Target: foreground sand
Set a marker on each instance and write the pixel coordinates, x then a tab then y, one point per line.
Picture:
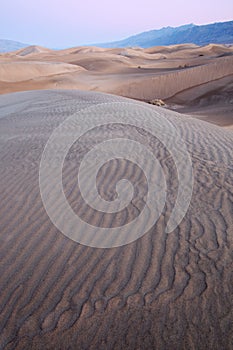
191	79
163	291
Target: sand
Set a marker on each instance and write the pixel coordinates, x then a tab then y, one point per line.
191	79
163	291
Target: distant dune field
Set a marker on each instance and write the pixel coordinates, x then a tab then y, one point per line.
190	78
164	291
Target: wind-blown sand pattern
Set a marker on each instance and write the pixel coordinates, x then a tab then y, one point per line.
173	73
163	291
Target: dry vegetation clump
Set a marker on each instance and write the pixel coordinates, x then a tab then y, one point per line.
157	102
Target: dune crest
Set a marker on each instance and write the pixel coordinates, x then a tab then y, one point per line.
22	71
31	50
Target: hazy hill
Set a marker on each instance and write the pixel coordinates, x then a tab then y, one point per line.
10	45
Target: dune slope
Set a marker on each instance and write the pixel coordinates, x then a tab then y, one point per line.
163	291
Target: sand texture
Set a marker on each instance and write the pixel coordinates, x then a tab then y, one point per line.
163	291
191	79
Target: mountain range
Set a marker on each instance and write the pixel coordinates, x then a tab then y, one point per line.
216	33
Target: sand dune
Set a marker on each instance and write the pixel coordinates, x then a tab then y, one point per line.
21	71
166	85
142	74
30	50
163	291
212	101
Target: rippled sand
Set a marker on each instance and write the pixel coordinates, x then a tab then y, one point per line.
163	291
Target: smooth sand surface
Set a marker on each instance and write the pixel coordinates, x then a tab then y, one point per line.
163	291
191	79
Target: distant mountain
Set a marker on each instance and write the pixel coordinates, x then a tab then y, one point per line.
10	45
217	33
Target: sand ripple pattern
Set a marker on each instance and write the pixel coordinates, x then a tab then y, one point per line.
108	114
164	290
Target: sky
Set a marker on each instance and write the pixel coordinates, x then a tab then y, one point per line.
67	23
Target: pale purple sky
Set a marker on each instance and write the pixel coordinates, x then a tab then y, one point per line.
66	23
